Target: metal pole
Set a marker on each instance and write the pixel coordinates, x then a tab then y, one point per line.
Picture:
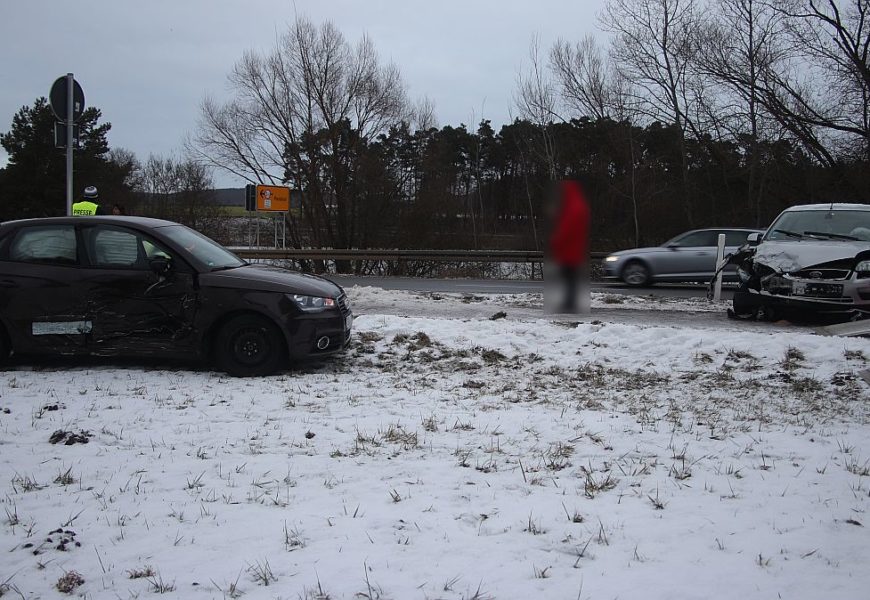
720	255
69	143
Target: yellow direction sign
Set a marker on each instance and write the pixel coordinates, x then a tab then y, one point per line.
273	198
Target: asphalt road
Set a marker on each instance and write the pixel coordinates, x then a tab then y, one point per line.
516	286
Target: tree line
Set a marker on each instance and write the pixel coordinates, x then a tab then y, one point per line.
695	113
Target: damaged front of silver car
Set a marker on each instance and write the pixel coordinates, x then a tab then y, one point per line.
813	263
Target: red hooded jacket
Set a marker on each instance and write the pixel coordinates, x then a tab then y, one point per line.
569	245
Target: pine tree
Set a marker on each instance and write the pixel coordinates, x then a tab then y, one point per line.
34	181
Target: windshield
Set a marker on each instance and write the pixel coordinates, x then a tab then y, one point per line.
837	225
203	249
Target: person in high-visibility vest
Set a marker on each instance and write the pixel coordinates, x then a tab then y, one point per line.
89	206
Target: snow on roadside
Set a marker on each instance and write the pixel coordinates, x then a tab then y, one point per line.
370	294
451	458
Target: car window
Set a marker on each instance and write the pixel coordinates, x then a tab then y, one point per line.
111	247
118	248
154	250
736	238
208	252
695	238
52	244
833	225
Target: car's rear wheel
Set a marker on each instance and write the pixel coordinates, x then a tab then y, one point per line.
249	345
636	274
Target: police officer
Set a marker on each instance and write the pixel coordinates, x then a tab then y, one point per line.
89	206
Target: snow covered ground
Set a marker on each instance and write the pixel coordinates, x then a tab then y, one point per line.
448	455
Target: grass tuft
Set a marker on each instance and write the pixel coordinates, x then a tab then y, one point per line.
68	582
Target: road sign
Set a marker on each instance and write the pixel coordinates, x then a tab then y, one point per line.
273	198
60	135
59	99
250	197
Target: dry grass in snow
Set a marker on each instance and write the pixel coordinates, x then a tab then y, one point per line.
449	459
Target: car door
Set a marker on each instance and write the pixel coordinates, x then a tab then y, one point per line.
691	255
42	296
136	310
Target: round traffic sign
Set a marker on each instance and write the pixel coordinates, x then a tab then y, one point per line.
58	98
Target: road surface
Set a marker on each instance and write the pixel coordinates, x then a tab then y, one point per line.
515	286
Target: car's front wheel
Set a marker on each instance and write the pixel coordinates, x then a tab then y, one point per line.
248	346
5	346
636	274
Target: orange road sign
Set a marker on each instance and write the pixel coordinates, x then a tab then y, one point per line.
273	198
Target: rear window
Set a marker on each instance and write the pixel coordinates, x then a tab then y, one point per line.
54	244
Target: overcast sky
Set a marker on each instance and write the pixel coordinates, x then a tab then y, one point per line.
148	63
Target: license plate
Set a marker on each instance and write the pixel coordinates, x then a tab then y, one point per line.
348	321
817	289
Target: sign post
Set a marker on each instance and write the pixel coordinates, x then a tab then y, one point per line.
67	102
271	199
69	143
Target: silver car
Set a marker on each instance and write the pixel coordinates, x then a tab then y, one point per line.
690	256
814	259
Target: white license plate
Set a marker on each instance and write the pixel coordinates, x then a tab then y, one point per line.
348	322
799	289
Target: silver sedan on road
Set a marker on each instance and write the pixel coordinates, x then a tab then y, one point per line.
690	256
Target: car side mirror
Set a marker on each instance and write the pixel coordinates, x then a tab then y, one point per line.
161	265
753	239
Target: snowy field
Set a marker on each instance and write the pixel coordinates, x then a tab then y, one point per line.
451	458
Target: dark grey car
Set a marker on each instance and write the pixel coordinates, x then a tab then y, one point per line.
690	256
131	286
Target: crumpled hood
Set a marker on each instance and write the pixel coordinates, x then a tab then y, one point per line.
788	256
267	278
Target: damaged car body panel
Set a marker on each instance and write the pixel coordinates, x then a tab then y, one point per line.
138	287
813	261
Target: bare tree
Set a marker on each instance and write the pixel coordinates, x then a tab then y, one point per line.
584	77
179	190
740	41
536	100
591	86
653	47
832	39
299	114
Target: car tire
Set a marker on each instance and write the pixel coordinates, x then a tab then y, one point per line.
635	274
5	346
249	346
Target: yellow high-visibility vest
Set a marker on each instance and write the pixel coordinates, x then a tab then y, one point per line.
84	208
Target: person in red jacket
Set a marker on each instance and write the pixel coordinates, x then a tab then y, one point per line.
569	246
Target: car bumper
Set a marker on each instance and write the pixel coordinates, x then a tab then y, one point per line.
810	296
320	335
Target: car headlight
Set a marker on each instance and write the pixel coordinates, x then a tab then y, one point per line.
863	269
312	303
743	275
611	259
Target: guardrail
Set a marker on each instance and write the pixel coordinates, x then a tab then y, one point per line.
507	256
